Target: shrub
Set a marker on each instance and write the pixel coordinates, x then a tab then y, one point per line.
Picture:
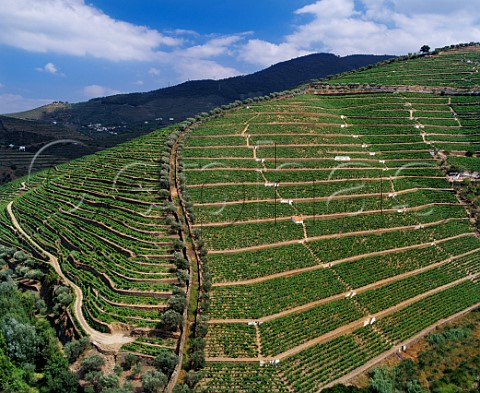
181	389
75	348
20	256
182	276
92	363
180	263
166	362
197	360
177	303
129	361
21	339
192	378
198	344
178	245
154	381
171	320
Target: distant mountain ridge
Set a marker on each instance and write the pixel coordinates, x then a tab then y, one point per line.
158	107
105	122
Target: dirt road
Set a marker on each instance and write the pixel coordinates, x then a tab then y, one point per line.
104	341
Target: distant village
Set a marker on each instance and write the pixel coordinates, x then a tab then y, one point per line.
99	127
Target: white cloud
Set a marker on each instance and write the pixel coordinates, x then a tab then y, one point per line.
203	69
196	62
49	68
443	7
329	9
177	32
265	53
378	27
93	91
214	47
12	103
75	28
154	71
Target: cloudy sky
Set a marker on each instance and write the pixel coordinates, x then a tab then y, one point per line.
74	50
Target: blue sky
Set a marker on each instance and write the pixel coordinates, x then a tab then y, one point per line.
74	50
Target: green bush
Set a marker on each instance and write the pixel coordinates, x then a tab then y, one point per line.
154	381
75	348
93	363
166	362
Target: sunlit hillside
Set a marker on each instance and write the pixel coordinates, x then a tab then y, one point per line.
335	237
280	244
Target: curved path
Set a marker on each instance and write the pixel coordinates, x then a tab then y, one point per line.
104	341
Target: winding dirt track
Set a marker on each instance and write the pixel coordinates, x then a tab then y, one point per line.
106	342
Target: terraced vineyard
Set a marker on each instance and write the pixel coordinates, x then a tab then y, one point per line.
101	222
457	67
334	235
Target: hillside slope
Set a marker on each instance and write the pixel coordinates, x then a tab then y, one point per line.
190	98
334	236
16	161
101	223
108	121
326	234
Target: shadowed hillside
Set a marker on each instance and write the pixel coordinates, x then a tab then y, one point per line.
190	98
108	121
20	140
